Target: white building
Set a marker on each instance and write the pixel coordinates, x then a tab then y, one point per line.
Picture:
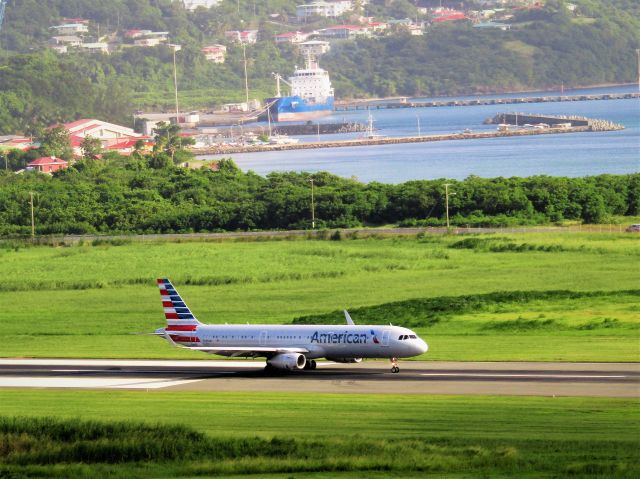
242	36
291	37
67	40
323	9
215	53
193	4
96	47
314	48
71	29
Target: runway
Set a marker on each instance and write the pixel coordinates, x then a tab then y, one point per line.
374	377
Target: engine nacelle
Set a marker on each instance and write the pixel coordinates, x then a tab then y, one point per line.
288	361
345	360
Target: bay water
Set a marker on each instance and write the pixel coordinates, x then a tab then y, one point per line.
571	154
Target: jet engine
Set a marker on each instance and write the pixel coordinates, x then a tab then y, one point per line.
345	360
288	361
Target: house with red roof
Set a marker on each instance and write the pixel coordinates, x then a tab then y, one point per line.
242	36
15	142
440	15
47	164
215	53
109	134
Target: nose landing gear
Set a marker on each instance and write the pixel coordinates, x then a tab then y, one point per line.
394	365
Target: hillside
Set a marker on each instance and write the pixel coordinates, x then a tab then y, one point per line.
543	47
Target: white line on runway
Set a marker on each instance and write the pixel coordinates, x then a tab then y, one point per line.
132	362
91	383
536	376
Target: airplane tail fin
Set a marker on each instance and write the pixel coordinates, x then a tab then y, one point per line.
179	316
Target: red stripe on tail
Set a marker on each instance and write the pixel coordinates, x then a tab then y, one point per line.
185	327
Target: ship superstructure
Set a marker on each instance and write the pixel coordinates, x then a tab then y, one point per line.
311	94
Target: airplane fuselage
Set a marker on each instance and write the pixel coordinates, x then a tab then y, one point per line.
321	341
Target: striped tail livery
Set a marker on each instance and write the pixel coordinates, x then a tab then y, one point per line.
182	325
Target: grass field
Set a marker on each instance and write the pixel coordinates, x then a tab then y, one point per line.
86	300
310	435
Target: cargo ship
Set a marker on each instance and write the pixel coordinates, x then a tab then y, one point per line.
311	95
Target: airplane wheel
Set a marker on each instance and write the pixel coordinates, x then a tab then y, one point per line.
313	363
395	369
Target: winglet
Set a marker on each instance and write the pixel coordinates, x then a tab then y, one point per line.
348	318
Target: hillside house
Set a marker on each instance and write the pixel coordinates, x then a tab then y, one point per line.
323	9
98	47
440	15
291	37
71	29
66	40
193	4
242	36
47	164
344	32
215	53
314	48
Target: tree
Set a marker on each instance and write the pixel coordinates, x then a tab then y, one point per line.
91	147
55	142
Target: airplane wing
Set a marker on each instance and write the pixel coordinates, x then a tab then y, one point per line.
347	317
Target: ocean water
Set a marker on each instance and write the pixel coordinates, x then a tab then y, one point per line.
576	154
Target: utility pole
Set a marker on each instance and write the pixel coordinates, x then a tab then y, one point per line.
246	79
175	82
313	207
446	196
33	223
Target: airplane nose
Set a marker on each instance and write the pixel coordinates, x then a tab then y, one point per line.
422	346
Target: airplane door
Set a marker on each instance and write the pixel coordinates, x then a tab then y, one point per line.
263	338
385	338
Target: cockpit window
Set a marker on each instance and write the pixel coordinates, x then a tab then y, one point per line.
413	336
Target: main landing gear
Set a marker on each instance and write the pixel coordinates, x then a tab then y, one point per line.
311	364
394	365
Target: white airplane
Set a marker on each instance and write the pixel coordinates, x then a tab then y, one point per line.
289	347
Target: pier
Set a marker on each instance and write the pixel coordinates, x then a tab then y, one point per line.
467	135
405	103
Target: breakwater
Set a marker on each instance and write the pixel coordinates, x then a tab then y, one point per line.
468	135
557	121
405	103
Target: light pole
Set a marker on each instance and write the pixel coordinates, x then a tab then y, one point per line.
418	118
33	222
313	207
446	200
246	79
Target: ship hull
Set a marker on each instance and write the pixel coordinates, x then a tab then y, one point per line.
294	108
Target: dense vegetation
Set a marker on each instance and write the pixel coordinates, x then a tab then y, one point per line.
152	196
259	434
544	48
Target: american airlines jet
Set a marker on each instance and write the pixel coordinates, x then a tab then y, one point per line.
288	347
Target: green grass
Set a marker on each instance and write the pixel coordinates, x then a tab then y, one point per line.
311	435
578	292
